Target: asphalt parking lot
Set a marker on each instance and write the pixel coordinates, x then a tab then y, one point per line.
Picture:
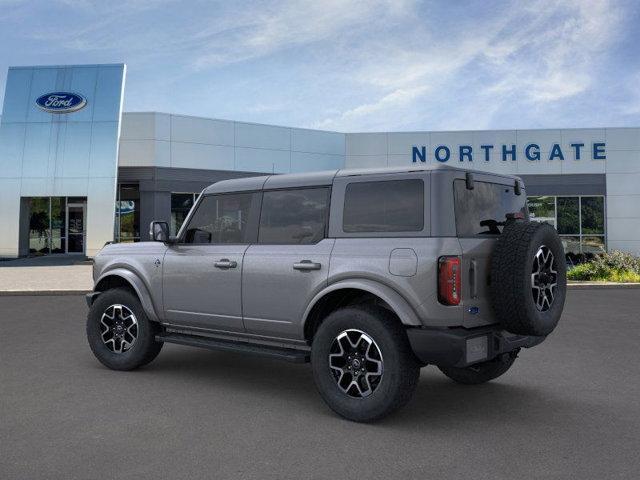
568	409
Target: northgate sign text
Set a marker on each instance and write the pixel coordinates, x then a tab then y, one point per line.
577	151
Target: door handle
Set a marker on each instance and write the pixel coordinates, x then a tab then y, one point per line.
307	265
225	263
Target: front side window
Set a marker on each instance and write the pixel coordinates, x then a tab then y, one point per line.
483	210
297	216
220	219
384	206
181	203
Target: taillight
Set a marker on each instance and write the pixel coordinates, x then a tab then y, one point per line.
449	284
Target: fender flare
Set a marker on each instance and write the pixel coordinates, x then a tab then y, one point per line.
398	304
138	286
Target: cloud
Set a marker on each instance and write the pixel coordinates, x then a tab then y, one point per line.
346	65
534	55
285	25
551	57
630	105
397	98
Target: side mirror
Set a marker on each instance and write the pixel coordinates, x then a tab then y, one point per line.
159	231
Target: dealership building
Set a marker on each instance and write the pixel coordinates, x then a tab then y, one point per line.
76	171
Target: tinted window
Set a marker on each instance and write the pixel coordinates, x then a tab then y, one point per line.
220	219
388	206
481	210
294	216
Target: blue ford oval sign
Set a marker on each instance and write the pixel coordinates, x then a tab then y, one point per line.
61	102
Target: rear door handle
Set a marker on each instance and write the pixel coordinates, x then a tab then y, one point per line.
225	263
307	265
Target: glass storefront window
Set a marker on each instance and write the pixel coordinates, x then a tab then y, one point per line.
127	227
568	215
593	244
58	225
592	214
570	244
39	228
48	225
181	203
542	209
580	220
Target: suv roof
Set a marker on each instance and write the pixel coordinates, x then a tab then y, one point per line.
289	180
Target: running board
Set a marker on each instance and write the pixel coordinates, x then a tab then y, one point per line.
279	353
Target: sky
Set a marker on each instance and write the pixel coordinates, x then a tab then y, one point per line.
351	66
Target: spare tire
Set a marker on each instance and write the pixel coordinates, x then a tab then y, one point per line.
528	278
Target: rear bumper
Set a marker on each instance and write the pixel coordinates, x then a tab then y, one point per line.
461	347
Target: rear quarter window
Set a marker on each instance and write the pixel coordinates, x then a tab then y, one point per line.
481	211
384	206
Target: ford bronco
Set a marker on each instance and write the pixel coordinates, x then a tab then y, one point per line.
367	274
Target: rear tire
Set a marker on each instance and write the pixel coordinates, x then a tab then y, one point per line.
481	372
371	340
119	333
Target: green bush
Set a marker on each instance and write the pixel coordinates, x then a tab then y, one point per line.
614	266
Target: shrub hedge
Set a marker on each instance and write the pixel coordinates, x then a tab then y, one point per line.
614	266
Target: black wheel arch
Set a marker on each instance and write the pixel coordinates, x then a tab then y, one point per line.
337	299
126	279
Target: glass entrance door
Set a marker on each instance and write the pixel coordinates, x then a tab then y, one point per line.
76	220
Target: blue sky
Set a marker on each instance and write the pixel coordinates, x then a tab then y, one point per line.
351	65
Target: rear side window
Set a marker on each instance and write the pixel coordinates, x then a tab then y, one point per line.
220	219
481	211
384	206
297	216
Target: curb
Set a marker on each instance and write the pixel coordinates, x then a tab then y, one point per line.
601	286
22	293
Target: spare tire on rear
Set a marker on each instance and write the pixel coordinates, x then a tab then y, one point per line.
528	278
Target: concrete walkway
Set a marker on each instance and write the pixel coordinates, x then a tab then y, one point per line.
45	276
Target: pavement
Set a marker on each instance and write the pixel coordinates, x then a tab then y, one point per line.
58	275
568	409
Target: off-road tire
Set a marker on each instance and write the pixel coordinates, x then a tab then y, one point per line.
400	367
481	372
512	261
145	348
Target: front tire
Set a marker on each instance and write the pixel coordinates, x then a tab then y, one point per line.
362	363
119	333
481	372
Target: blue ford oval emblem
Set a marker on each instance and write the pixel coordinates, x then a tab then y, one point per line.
61	102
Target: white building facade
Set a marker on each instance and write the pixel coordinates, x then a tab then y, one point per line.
586	182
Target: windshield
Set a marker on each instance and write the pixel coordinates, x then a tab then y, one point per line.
483	210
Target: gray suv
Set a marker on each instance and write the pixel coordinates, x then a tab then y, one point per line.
367	274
